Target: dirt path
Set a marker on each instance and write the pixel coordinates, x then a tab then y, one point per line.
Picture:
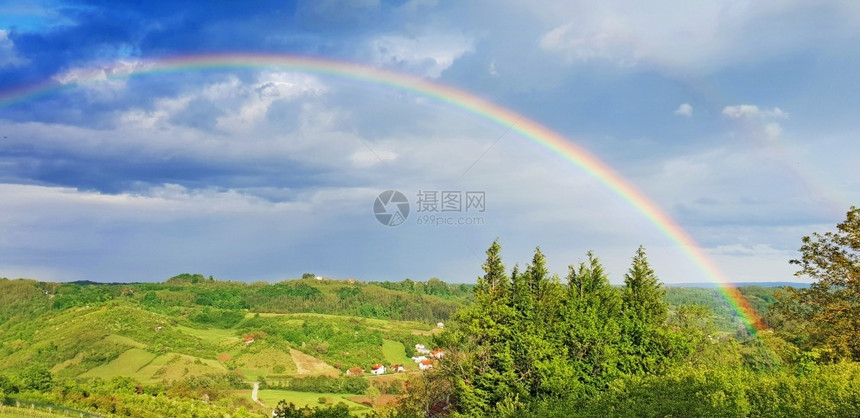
254	394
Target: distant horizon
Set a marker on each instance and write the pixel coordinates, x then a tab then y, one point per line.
780	283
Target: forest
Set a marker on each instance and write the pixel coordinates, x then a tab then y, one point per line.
521	341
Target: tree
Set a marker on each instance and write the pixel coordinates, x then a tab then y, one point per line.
37	377
290	410
495	281
478	362
646	345
373	393
425	392
643	296
545	290
827	314
591	285
590	331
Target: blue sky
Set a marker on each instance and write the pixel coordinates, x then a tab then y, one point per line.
738	118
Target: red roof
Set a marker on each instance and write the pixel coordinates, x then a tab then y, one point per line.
426	362
375	366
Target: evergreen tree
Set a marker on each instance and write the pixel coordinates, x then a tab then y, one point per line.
590	329
645	344
544	289
643	296
478	360
521	297
494	284
591	285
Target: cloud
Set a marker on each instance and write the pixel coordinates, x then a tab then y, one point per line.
688	36
426	55
364	158
492	69
8	54
754	250
413	6
607	40
684	110
53	227
753	112
763	120
773	130
262	174
102	81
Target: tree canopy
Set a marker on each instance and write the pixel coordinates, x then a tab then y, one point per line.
826	316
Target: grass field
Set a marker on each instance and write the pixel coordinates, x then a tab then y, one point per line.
262	362
217	336
176	366
119	339
311	366
41	410
127	364
9	412
379	324
271	398
395	353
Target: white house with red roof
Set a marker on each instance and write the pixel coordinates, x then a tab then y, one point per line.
377	369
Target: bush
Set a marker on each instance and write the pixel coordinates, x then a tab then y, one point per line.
833	391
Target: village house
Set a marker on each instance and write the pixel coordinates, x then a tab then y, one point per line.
419	359
249	340
377	369
421	349
397	368
440	325
437	354
355	371
426	364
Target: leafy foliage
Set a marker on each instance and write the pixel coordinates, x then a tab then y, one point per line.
833	391
826	316
290	410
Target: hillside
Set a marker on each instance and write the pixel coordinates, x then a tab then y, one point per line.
177	335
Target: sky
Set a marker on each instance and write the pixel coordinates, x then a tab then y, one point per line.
738	119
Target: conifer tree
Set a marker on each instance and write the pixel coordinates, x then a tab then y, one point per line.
643	296
521	297
591	285
645	344
545	291
493	284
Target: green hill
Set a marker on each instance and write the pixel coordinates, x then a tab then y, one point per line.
187	338
191	326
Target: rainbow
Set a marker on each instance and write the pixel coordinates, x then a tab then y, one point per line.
454	97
